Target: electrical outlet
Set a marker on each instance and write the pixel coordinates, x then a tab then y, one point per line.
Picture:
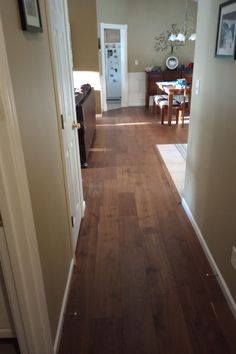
233	258
136	62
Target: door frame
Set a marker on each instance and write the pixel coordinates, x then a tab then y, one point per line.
19	248
124	63
57	98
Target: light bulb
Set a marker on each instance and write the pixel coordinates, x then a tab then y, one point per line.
172	37
192	37
181	37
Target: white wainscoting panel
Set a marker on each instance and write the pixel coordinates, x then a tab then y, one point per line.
136	89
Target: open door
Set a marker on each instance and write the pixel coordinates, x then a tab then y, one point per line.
63	77
114	67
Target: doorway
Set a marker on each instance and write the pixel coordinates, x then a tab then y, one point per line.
114	78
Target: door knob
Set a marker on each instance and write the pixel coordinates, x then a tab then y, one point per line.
76	125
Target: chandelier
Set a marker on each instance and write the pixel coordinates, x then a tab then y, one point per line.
186	31
176	36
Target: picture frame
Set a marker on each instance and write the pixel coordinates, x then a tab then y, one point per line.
226	31
30	15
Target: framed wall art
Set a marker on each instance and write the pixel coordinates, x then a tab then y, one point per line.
226	30
30	15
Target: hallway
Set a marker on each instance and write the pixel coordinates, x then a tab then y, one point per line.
140	285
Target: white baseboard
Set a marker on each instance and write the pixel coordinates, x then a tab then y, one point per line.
210	258
63	308
6	333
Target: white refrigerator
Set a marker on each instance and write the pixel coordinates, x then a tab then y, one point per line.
113	71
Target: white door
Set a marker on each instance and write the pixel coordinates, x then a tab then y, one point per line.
62	63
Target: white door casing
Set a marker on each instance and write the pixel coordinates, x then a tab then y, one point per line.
124	64
19	254
59	36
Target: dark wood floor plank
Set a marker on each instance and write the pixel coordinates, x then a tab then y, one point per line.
205	333
130	235
106	336
226	323
138	324
107	302
126	178
139	285
76	334
160	277
127	204
171	327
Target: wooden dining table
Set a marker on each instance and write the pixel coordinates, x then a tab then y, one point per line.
172	89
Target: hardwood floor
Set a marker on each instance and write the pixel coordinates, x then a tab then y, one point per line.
140	285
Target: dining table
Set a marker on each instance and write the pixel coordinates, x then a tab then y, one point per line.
172	88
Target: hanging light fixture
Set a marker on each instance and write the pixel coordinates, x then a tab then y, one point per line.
184	32
181	37
192	37
172	37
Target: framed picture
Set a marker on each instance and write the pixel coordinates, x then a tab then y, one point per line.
226	31
30	15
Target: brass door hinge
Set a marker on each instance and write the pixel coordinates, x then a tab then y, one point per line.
62	122
72	221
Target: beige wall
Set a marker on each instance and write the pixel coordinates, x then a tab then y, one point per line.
211	171
145	20
30	67
112	11
83	22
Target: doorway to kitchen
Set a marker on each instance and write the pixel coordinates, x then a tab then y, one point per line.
114	76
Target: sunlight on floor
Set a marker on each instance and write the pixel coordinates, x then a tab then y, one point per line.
99	149
124	124
175	163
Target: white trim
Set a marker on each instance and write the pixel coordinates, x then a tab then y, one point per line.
136	95
210	258
63	308
124	64
99	115
6	333
24	279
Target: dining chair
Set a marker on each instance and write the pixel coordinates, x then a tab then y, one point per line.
184	105
161	102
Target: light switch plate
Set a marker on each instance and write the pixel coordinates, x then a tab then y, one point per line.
197	87
233	258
